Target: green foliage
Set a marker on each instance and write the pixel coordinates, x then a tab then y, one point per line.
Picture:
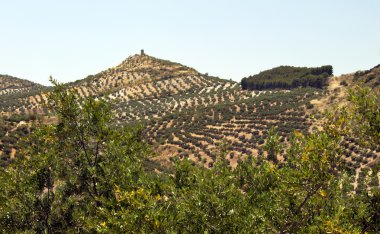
365	114
69	170
286	77
361	118
272	145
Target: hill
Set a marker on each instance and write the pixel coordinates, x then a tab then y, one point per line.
14	93
10	84
12	88
287	77
187	114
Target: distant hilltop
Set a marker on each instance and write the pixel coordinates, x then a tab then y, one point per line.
288	77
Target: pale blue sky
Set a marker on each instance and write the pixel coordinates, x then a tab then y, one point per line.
230	39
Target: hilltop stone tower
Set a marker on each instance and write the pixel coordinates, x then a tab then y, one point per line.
142	53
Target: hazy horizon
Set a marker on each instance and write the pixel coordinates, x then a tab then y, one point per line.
71	40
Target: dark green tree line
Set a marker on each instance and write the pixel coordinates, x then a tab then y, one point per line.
287	77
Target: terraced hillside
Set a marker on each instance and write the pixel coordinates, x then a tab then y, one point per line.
186	113
10	85
140	88
239	120
15	93
140	77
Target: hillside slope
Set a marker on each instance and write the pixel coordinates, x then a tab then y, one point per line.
10	84
370	78
186	113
